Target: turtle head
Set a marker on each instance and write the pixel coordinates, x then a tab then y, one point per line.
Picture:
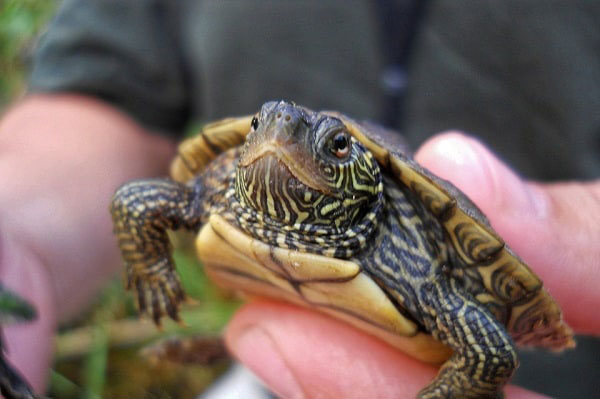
303	166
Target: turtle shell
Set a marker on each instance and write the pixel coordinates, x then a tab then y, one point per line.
530	314
338	287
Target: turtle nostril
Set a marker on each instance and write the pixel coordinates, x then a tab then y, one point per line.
288	116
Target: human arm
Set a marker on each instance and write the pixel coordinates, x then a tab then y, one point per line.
303	354
61	158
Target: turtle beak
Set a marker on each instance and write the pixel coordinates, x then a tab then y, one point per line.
285	136
295	158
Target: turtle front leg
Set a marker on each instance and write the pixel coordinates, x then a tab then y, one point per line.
484	355
142	212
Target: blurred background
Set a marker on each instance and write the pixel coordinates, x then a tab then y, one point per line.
20	22
99	354
107	352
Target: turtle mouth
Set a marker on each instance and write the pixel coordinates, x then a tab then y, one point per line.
297	162
269	186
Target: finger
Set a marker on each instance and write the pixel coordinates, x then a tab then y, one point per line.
29	345
550	226
303	354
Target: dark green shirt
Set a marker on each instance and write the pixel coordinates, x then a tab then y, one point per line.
523	75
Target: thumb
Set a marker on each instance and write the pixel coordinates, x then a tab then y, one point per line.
470	166
499	192
553	227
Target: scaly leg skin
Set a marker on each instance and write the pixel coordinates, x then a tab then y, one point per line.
484	356
142	212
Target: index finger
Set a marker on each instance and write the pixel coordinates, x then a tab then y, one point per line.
300	353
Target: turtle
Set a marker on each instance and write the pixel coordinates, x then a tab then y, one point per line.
316	208
13	309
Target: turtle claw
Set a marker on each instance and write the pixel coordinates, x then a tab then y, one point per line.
158	295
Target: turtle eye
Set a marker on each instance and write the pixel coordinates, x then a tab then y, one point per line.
254	123
340	145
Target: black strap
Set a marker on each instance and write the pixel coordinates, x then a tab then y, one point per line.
399	22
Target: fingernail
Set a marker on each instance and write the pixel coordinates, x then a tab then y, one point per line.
454	156
258	351
508	190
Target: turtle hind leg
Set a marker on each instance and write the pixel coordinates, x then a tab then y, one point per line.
142	212
484	354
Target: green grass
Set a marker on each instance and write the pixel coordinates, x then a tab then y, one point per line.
99	357
20	23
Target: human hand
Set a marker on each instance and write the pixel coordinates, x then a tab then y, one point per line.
554	227
62	157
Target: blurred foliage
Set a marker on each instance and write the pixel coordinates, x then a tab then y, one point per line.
100	355
20	24
97	356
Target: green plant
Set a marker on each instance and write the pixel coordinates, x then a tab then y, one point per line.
20	24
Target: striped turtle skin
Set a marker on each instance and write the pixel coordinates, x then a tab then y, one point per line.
320	210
